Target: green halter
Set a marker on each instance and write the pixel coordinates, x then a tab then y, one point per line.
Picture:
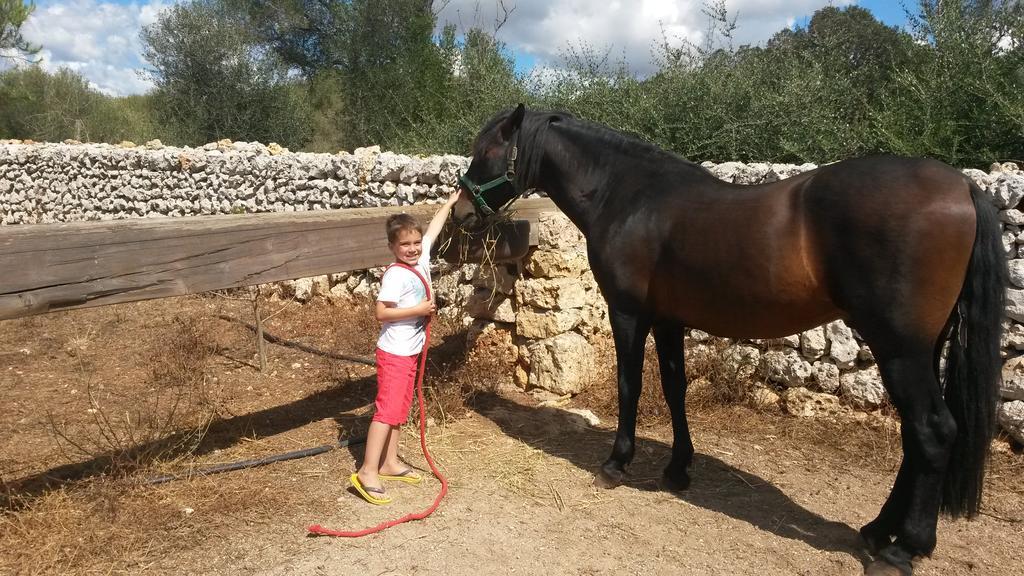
477	189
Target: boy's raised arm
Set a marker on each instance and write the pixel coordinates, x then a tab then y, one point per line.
437	222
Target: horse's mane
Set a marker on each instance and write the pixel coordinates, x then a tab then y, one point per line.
534	129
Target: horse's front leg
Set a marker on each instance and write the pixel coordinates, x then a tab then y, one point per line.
668	337
629	331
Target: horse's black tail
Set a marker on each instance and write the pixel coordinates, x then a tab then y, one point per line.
973	367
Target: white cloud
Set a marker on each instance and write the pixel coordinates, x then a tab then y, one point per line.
627	29
99	40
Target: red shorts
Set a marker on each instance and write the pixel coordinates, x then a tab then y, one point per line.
396	377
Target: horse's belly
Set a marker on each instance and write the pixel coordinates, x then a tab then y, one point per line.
750	313
740	322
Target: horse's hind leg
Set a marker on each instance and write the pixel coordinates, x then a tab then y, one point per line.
910	514
629	330
668	338
879	533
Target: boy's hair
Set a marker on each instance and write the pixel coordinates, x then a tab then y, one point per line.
398	223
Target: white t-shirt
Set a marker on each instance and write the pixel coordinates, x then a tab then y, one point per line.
405	337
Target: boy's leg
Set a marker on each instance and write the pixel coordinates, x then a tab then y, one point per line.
390	463
396	380
377	442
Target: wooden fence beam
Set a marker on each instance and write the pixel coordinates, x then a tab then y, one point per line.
49	267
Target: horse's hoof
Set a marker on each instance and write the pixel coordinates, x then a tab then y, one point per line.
883	568
873	543
675	482
609	479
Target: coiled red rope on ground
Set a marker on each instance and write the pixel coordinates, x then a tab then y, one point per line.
320	530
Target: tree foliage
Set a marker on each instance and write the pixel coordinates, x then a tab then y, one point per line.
843	85
36	105
962	100
397	83
214	80
13	45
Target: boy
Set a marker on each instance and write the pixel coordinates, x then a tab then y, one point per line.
402	308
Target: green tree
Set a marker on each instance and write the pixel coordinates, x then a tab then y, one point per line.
851	60
13	14
36	105
214	79
393	81
963	101
476	79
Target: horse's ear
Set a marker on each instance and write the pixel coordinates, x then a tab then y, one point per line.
514	122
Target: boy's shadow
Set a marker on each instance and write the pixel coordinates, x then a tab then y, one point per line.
716	485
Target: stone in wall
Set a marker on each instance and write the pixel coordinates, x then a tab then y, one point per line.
786	367
1003	182
740	361
863	388
556	232
1013	336
804	403
304	289
1015	304
1012	387
563	364
1011	419
490	305
551	293
843	348
1016	268
542	324
595	311
826	377
556	264
813	344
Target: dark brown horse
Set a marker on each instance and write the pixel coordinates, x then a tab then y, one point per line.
907	251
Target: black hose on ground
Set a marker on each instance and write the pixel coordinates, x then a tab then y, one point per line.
229	466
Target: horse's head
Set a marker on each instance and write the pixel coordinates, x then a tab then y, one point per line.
489	183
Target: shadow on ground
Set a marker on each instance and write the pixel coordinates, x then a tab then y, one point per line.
222	433
717	486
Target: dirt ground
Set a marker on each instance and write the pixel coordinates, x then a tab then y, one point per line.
99	401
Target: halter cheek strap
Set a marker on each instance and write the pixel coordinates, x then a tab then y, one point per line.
508	177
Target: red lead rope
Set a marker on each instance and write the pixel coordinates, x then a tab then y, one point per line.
320	530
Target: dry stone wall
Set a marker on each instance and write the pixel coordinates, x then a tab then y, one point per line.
42	183
545	314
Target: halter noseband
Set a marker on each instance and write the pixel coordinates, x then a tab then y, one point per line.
508	177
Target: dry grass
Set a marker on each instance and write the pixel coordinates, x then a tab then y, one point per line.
107	525
168	422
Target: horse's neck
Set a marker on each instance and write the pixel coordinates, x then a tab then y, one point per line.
572	176
581	173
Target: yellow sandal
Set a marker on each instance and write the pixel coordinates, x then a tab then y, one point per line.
367	492
409	476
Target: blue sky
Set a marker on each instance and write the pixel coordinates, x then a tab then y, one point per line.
99	38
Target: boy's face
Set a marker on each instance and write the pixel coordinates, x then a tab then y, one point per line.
407	247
